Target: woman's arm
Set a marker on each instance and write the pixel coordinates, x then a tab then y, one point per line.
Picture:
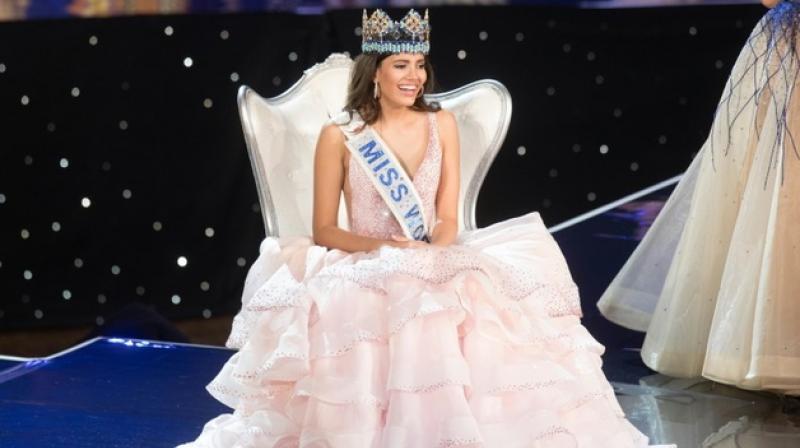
446	229
328	184
770	3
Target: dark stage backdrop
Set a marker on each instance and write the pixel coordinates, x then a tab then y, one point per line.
123	171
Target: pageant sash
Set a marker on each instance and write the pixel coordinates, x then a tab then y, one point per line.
387	175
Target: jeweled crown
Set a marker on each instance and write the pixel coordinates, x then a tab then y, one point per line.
380	34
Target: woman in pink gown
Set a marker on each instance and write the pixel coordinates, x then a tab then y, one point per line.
368	338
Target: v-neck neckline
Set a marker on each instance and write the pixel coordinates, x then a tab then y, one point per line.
413	177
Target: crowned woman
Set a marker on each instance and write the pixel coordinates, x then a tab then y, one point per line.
400	332
716	280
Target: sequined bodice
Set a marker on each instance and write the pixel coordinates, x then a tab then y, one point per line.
369	215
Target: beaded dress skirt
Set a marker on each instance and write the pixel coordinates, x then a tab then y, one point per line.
716	281
475	345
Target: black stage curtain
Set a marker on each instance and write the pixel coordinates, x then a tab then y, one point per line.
122	150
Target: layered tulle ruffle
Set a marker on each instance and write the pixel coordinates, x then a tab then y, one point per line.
478	344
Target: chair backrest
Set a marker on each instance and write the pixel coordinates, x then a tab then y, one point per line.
281	135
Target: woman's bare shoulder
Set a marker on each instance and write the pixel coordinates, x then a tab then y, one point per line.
331	135
331	143
447	123
445	117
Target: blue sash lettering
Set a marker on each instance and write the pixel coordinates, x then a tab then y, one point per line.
413	212
366	150
389	176
398	193
380	166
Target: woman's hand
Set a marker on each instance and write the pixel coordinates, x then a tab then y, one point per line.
444	233
770	3
405	243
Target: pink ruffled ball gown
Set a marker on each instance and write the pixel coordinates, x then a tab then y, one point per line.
475	345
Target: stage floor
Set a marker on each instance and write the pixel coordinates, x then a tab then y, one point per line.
112	392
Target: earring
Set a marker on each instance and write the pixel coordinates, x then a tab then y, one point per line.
375	91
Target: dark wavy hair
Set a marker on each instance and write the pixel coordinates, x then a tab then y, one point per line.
360	92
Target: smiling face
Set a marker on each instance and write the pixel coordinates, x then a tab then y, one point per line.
400	78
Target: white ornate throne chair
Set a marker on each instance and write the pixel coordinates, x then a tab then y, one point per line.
281	134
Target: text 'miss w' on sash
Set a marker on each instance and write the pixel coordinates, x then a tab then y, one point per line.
386	173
